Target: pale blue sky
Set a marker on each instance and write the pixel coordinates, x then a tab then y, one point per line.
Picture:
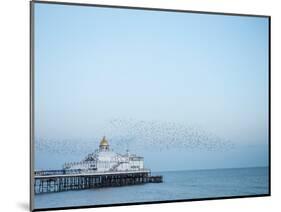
93	65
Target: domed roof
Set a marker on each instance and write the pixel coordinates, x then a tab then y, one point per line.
104	142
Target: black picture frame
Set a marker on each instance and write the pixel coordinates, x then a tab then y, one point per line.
32	70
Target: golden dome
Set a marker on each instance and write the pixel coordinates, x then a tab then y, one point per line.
104	142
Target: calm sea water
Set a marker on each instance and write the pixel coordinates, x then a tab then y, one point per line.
176	185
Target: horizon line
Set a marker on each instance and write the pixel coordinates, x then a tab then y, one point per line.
202	169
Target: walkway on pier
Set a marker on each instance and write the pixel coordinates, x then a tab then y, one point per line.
75	173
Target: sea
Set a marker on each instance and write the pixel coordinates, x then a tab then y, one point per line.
177	185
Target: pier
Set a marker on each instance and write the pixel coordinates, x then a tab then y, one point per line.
65	180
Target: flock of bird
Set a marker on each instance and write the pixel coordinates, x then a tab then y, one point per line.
160	136
141	135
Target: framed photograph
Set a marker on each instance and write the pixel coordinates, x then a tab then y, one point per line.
146	105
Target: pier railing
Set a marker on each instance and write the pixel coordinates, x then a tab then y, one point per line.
80	171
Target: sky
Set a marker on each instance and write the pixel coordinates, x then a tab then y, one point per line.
95	65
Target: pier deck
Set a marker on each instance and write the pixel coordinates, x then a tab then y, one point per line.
61	180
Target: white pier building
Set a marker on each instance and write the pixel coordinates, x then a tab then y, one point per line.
106	160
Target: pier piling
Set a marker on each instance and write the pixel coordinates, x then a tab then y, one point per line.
59	180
